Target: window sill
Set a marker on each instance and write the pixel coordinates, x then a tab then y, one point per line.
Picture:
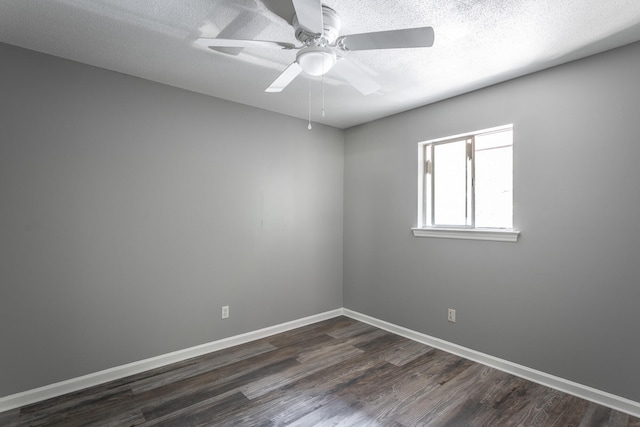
496	235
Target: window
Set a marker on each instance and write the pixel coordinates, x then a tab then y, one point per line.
466	186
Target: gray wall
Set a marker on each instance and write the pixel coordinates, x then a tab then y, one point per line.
131	212
564	299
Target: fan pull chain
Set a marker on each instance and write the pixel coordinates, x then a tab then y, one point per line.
323	73
323	94
309	126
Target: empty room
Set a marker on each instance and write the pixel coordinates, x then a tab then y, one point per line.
304	212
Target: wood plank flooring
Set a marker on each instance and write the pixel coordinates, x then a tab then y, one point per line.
339	372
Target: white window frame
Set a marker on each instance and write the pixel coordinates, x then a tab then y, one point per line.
425	227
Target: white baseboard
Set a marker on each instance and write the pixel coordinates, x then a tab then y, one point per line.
582	391
74	384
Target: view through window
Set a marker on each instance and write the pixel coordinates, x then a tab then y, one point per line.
467	180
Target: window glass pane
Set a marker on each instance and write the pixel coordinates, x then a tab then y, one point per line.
450	183
494	186
494	139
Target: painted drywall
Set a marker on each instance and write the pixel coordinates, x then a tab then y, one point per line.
131	212
563	299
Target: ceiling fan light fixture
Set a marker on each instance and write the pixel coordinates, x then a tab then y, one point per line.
317	60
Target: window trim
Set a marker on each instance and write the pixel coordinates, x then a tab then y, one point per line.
491	234
469	232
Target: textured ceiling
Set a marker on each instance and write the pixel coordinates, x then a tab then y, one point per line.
477	43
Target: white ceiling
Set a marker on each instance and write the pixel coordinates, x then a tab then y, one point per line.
477	43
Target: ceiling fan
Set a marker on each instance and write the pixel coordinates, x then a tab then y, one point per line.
317	27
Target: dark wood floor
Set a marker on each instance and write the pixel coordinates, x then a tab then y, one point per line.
337	372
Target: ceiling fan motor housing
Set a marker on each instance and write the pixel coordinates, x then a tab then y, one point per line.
331	28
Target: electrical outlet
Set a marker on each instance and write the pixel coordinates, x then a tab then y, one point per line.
225	312
451	315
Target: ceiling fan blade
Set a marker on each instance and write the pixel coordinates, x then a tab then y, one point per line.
309	13
286	77
213	42
394	39
353	75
